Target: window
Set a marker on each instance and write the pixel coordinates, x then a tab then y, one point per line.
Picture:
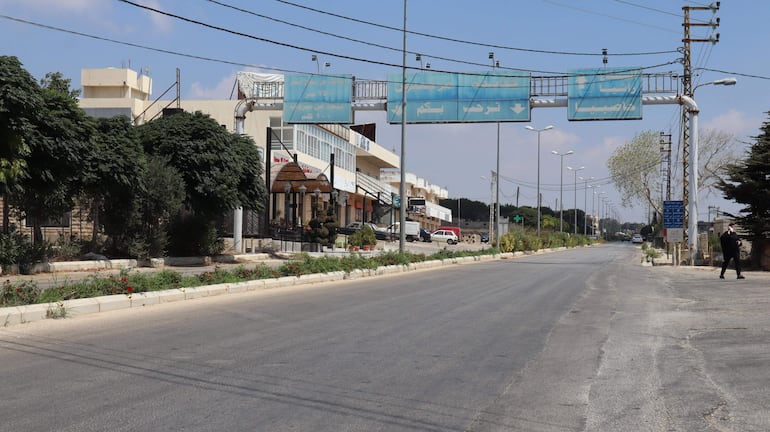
62	221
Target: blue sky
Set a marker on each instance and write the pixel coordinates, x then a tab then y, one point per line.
452	156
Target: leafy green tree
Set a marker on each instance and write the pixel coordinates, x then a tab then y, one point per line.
468	209
20	103
113	171
59	142
747	183
138	226
221	170
57	82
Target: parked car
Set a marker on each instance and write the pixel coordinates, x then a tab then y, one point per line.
484	237
424	235
379	232
441	235
637	239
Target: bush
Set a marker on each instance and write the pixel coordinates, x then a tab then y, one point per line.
12	247
16	248
191	235
363	237
68	249
323	230
20	294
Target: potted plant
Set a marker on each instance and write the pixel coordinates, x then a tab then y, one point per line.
363	238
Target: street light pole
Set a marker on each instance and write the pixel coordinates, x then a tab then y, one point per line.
692	226
496	63
491	203
576	171
561	187
530	128
585	204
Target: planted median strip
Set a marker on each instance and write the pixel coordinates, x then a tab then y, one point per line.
25	301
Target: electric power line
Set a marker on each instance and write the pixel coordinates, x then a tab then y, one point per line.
449	39
332	54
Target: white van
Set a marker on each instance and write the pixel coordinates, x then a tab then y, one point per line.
412	230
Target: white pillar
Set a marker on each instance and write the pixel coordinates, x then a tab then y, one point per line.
692	227
240	116
692	205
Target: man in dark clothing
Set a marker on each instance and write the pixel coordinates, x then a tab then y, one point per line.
731	249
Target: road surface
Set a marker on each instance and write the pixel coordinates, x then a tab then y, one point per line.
579	340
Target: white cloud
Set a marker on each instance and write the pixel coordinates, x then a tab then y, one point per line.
161	23
735	122
221	90
55	5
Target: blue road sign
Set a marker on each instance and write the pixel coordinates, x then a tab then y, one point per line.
605	94
318	99
438	97
673	214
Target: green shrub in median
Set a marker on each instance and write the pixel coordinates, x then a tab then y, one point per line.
127	283
23	293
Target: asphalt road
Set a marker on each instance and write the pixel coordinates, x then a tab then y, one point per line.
584	339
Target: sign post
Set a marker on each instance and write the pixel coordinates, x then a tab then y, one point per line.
673	222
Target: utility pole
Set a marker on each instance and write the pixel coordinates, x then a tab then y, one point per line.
687	90
665	165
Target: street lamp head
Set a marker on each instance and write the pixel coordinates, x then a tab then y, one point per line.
726	81
528	127
723	81
569	152
554	152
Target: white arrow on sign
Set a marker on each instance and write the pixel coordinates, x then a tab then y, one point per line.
518	108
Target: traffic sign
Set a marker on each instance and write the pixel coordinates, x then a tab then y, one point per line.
673	214
605	94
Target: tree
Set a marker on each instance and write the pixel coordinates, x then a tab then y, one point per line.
716	151
221	170
634	170
113	171
20	103
58	143
57	82
635	166
747	183
138	226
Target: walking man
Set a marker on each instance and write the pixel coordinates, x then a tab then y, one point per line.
731	249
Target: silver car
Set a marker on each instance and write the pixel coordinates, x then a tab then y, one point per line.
444	236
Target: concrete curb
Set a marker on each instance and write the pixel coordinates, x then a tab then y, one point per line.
118	264
72	308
